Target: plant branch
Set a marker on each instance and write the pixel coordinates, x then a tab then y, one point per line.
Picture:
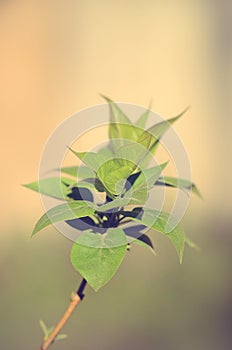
74	301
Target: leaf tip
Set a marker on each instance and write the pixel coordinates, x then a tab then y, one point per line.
35	230
197	192
192	244
163	165
184	111
106	98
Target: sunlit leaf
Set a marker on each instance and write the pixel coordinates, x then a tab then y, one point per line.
112	174
91	159
79	172
92	184
142	121
145	241
143	182
47	331
163	223
183	184
62	212
160	128
69	170
191	244
132	151
118	121
44	328
116	203
97	257
61	336
55	187
116	114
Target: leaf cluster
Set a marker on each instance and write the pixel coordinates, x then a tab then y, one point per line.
120	172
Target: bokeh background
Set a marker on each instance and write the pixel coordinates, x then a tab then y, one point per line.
56	57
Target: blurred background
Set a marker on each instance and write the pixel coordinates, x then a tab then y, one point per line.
56	57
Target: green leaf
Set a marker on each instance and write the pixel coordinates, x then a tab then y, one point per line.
91	184
55	187
91	159
47	331
138	192
116	203
122	133
145	242
44	328
191	244
69	170
120	126
179	183
116	114
61	336
142	121
162	222
80	172
159	129
113	174
62	212
106	151
97	257
132	151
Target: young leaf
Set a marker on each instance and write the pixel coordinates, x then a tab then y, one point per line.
179	183
120	126
62	212
113	171
61	336
106	151
44	328
98	256
160	221
143	182
144	241
92	184
55	187
118	121
191	244
47	331
132	151
91	159
116	203
80	172
142	121
148	177
159	129
116	114
69	170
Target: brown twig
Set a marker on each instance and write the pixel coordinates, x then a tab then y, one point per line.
74	301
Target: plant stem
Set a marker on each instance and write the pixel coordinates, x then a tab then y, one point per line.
74	301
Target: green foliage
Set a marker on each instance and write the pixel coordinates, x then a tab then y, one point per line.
62	212
145	180
47	331
98	256
81	172
52	186
180	183
161	222
120	172
113	175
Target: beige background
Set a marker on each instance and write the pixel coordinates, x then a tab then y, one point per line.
56	57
